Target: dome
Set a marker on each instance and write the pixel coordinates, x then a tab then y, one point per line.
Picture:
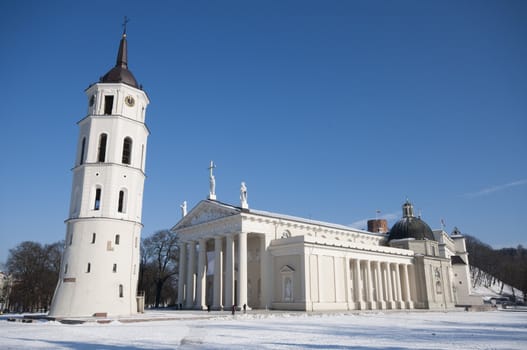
410	226
120	73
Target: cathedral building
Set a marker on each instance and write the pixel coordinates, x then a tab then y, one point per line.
247	258
232	255
100	264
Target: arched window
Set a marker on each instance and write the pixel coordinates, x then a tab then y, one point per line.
83	147
121	202
101	157
127	150
97	204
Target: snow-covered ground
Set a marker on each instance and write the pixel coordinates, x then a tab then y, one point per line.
388	330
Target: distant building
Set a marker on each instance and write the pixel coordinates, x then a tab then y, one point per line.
100	265
234	255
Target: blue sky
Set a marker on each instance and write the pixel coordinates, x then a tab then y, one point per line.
328	110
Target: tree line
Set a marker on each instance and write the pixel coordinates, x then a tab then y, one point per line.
508	265
34	268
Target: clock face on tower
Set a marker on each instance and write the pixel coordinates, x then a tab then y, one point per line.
129	100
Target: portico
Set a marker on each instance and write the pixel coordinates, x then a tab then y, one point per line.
225	265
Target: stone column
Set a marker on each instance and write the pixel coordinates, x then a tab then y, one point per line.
242	270
371	298
408	296
229	271
389	293
348	286
399	299
380	290
265	284
359	303
182	273
218	241
202	275
190	274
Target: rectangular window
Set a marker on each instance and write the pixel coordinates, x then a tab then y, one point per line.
70	238
97	205
121	291
93	238
117	239
114	268
66	269
108	105
88	269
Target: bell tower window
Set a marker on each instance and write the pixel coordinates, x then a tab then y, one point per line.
101	157
120	204
127	150
83	147
108	105
97	204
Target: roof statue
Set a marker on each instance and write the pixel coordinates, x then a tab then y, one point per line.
183	209
212	182
243	196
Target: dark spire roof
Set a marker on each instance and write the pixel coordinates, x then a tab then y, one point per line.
410	226
120	73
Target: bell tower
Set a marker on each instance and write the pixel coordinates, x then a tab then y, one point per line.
100	265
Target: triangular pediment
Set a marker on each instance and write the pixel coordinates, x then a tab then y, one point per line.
206	211
287	269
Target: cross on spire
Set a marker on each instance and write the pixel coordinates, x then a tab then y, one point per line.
125	21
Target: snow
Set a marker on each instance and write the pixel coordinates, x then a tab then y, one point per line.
489	287
280	330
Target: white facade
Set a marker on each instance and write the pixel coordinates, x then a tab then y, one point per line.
100	265
239	256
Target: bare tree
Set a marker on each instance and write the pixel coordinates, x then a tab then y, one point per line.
34	269
159	264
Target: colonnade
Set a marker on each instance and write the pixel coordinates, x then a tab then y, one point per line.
380	285
192	274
